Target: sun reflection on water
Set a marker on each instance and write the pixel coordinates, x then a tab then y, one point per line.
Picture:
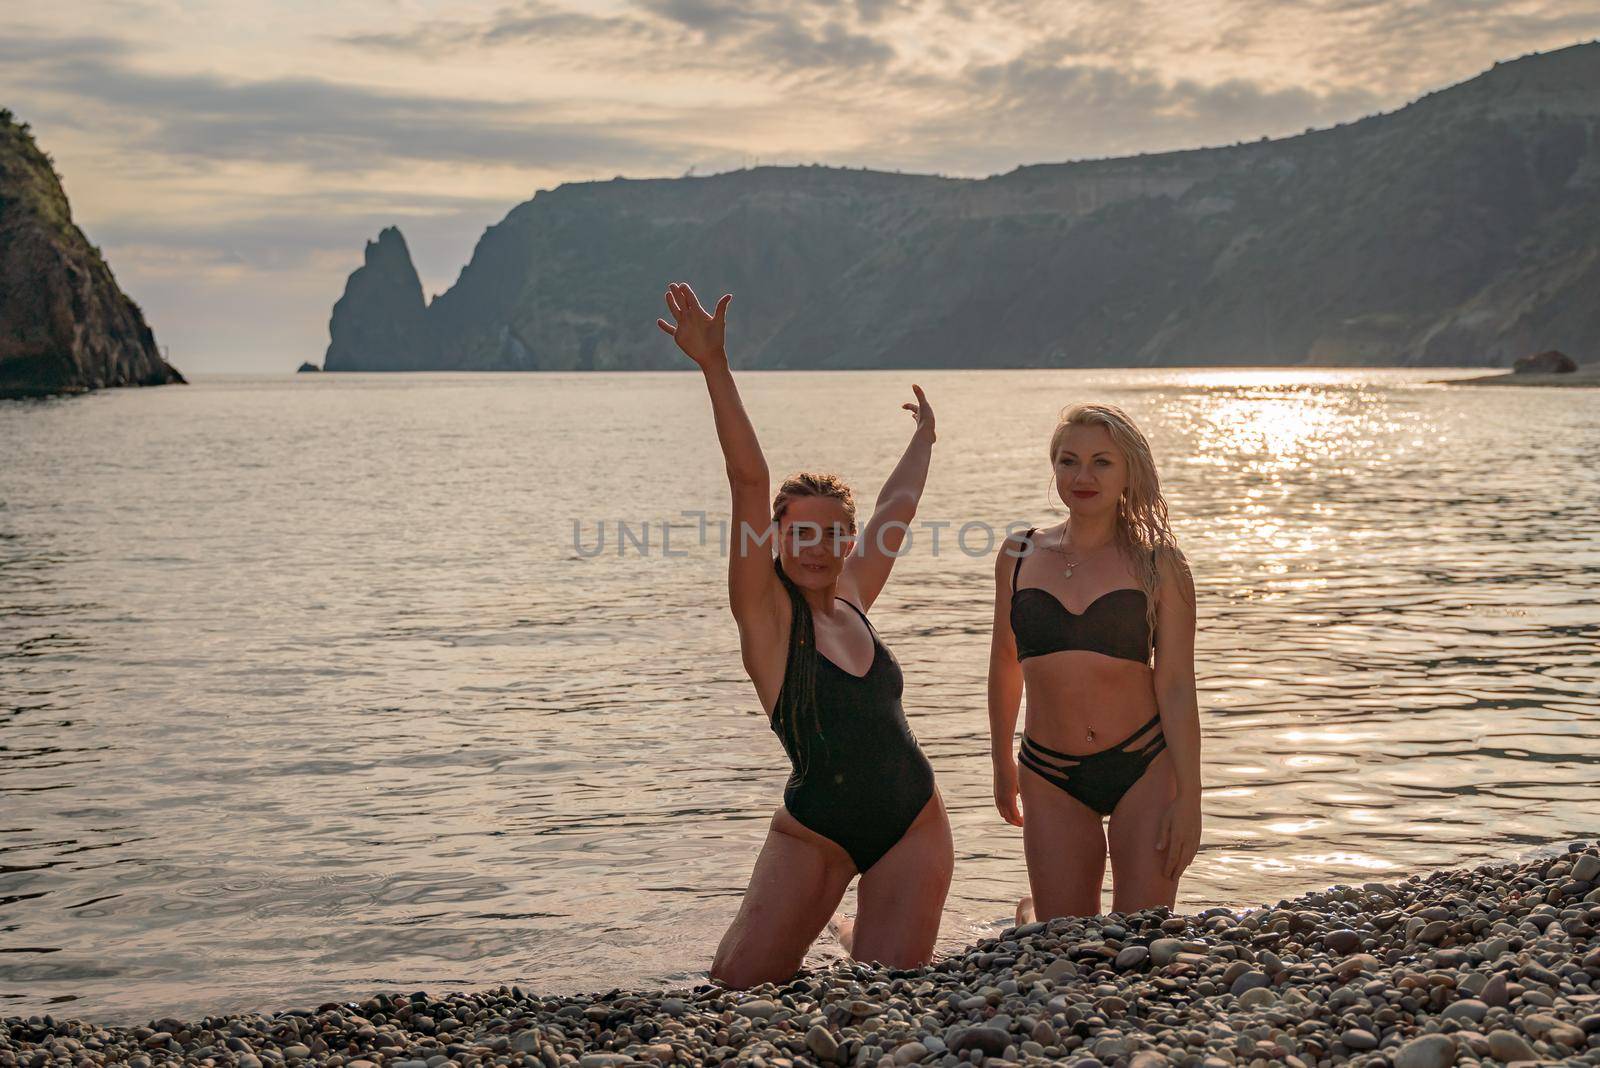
541	765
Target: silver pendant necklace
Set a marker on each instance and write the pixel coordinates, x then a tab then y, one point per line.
1066	572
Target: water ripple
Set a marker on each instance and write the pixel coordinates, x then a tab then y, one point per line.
307	691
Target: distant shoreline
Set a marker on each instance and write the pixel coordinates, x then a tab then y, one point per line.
1587	375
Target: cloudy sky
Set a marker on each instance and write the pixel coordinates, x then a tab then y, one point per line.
231	158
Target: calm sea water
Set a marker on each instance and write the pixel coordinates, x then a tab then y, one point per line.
308	691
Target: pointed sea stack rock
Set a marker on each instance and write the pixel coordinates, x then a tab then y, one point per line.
307	368
378	325
65	326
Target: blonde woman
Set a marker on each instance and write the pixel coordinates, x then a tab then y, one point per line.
861	799
1094	619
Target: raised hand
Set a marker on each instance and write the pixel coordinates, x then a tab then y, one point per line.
923	411
698	334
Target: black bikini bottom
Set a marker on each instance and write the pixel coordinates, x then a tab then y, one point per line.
1097	779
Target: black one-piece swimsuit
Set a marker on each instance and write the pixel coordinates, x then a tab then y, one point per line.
866	778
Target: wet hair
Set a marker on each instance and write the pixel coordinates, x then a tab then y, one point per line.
795	716
1142	523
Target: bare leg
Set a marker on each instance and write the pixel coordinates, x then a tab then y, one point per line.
1025	913
798	880
1066	849
1136	878
901	897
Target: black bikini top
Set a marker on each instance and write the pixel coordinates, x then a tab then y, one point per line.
1113	624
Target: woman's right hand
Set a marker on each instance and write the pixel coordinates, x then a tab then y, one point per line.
1007	792
698	334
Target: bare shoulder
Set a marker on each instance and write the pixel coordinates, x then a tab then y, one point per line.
1172	570
1013	548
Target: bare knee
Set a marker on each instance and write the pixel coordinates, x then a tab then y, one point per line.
738	974
743	961
900	948
728	973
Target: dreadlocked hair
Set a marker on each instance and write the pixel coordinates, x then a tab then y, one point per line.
795	717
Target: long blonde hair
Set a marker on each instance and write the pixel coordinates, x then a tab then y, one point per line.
799	702
1143	533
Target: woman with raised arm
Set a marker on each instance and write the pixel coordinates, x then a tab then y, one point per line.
861	798
1095	617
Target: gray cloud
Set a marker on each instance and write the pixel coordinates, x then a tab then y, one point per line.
23	48
1047	105
1405	47
329	126
712	18
830	45
774	37
532	21
784	36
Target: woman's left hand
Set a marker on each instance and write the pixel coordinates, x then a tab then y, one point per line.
1179	836
923	411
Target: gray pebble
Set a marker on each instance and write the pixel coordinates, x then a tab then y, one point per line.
760	1009
1256	997
991	1040
1466	1009
1509	1046
1358	1039
1426	1051
1131	957
910	1053
1250	980
820	1041
1163	951
1343	940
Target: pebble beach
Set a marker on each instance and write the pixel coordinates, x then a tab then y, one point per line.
1498	964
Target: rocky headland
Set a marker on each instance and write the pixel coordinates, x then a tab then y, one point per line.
1494	965
1460	230
65	326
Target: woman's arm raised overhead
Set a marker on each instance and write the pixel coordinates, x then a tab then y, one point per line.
755	593
867	569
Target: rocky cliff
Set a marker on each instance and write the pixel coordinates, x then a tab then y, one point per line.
65	327
1461	229
380	322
